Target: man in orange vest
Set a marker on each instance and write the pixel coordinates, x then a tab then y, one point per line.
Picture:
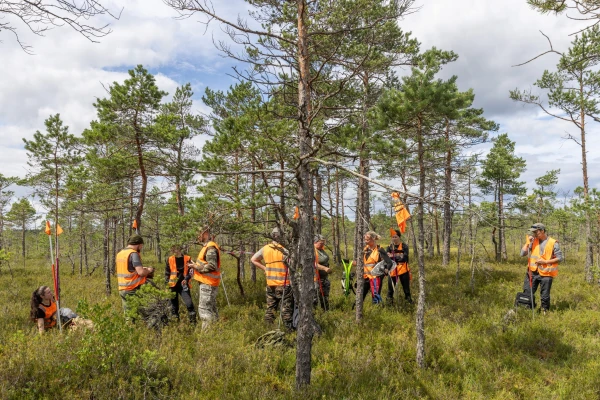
544	257
279	289
207	271
178	276
131	275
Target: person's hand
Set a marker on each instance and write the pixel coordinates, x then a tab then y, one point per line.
354	263
329	270
541	262
385	272
183	282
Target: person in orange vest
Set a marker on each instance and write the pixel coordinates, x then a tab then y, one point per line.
43	308
322	270
279	290
131	274
398	252
373	254
207	271
178	276
544	257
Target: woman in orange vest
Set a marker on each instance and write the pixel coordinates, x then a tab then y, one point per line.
544	256
43	308
178	275
398	251
207	271
372	255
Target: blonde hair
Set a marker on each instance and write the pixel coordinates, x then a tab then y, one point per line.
373	235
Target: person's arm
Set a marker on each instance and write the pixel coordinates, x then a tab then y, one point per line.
136	262
557	256
212	261
167	271
525	248
402	256
256	260
324	268
40	325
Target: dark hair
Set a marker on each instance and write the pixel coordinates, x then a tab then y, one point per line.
36	300
398	232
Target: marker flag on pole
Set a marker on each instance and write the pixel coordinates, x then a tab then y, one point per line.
59	230
48	230
402	214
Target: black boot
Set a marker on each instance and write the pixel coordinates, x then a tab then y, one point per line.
192	317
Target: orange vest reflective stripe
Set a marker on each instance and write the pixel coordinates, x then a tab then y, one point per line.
369	262
49	314
173	267
275	271
547	269
316	278
401	268
125	279
212	278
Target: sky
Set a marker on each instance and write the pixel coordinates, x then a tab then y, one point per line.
68	73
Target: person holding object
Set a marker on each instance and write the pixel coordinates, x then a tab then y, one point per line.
398	252
131	274
207	271
322	270
373	254
279	290
178	275
544	257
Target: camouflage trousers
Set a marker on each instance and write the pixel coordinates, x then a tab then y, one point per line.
322	290
207	304
275	294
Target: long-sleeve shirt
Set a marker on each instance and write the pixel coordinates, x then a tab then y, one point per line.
400	252
212	261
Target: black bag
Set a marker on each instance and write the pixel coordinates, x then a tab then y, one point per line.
524	299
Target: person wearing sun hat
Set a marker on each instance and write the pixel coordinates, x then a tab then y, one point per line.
544	256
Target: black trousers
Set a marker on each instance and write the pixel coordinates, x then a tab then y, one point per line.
187	300
404	280
545	283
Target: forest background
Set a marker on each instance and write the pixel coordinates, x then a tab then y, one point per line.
332	109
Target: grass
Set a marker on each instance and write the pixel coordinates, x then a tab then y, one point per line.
472	352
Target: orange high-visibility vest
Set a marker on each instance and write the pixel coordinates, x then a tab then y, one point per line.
547	269
369	262
212	278
275	271
173	267
317	277
49	314
401	268
127	280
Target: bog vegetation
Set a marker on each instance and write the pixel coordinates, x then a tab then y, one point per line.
320	130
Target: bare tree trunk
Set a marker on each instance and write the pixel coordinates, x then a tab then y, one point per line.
420	319
105	253
501	224
362	226
447	193
254	245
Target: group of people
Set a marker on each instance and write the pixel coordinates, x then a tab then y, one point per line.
543	254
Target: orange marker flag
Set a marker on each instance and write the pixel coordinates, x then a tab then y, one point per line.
392	232
296	213
48	230
58	230
402	214
134	225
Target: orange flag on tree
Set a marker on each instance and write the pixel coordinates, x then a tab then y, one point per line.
402	214
48	230
296	213
134	225
58	230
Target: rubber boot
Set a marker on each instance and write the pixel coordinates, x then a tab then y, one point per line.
192	317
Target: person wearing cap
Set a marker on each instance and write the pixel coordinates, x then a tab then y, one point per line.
178	276
398	252
279	290
544	256
322	270
131	274
373	254
207	271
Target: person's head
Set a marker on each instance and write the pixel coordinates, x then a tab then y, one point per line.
276	234
43	294
135	242
176	250
396	237
370	238
320	242
538	231
204	234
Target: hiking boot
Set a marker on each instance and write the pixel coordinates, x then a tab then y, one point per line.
409	300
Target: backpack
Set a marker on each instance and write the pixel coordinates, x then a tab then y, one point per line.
524	299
